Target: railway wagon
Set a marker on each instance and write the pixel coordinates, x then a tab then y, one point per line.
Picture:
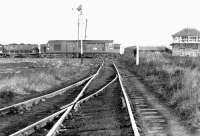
91	48
2	51
21	50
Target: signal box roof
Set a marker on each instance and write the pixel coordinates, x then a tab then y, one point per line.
187	32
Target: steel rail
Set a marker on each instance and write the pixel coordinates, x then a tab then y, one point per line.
30	129
27	104
41	123
130	112
57	125
93	94
96	93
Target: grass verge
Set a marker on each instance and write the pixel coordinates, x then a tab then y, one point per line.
176	80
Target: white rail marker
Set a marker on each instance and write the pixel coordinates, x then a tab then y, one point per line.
137	55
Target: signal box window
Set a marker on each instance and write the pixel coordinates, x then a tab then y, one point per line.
57	47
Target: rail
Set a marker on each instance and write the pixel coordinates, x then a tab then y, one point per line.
26	105
96	93
30	129
133	123
36	100
56	126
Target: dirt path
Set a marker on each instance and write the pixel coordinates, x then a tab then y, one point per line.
156	109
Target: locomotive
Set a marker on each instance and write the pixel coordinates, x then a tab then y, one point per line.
62	48
2	50
90	48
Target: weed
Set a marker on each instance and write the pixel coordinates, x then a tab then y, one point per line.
178	80
6	93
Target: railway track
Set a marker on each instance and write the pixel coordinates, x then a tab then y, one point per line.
153	120
101	108
23	114
154	123
26	105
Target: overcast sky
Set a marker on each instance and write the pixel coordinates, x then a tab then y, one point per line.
130	22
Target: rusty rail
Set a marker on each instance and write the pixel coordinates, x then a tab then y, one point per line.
55	129
35	126
130	112
26	105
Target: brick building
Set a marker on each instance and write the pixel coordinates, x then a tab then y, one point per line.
186	43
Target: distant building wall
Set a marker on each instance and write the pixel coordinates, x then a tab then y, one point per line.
186	50
131	51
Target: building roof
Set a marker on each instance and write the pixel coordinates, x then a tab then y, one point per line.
85	41
187	32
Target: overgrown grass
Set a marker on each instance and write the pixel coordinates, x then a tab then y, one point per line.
53	72
176	79
7	94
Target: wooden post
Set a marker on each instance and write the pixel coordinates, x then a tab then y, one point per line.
137	55
78	37
81	35
81	51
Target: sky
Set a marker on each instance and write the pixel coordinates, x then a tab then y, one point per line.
129	22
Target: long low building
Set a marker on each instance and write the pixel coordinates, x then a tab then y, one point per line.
131	51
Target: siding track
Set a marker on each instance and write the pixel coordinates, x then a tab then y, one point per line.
46	121
102	107
26	105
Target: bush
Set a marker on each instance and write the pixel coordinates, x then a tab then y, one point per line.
6	93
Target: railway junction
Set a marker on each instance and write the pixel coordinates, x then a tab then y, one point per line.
110	101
